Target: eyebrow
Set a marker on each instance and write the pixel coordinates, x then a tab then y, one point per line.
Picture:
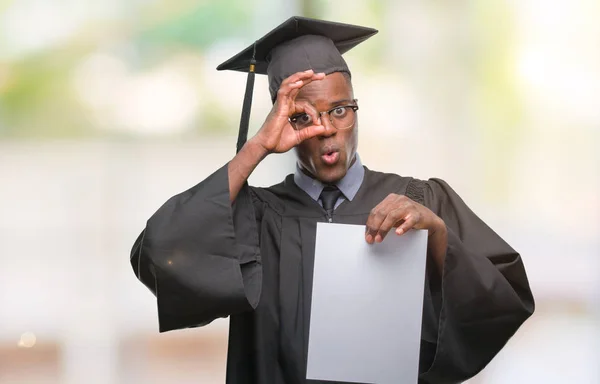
343	101
336	103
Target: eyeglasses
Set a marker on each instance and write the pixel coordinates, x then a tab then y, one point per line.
341	117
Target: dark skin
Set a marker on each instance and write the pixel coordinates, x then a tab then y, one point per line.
334	90
310	93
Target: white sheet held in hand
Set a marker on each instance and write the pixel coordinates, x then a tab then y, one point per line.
367	303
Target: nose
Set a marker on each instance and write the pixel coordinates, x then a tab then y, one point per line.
330	130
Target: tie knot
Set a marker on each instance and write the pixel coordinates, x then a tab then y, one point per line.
329	196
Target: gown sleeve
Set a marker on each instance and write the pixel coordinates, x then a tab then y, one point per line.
484	290
199	255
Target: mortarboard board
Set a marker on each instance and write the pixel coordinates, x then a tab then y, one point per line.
296	45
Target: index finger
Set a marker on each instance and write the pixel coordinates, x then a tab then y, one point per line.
374	221
309	74
305	107
289	90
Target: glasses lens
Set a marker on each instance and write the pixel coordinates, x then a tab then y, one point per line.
343	117
302	121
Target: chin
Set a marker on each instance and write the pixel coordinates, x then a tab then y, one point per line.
332	175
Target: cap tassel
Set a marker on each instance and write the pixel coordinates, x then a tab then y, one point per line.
247	106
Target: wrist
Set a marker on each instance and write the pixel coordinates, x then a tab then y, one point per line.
438	243
258	150
440	226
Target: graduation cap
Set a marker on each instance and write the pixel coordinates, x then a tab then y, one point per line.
296	45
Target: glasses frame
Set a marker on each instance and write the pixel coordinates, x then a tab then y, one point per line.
354	107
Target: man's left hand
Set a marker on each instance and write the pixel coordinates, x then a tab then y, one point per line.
402	213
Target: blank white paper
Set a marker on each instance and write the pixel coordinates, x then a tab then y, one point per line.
367	303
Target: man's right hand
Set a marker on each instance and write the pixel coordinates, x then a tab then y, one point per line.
277	135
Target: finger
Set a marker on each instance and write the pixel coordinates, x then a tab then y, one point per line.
293	93
302	76
297	81
393	218
309	75
309	132
409	222
288	92
309	109
292	89
304	82
374	221
283	94
296	77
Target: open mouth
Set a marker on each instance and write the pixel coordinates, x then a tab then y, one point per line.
330	157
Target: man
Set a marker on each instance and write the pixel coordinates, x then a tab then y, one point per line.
224	248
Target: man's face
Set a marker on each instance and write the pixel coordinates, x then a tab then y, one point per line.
327	157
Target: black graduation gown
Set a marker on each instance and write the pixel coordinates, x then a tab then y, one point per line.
205	258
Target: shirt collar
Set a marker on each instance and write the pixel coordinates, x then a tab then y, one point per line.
348	185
